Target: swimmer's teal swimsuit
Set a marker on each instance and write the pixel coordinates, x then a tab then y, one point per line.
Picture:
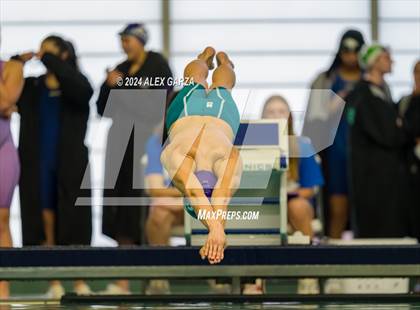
188	207
194	100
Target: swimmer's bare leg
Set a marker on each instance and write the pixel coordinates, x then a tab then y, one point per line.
228	169
224	75
180	165
198	69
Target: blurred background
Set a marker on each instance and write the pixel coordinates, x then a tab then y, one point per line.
277	46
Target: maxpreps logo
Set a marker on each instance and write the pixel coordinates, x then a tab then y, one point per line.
228	215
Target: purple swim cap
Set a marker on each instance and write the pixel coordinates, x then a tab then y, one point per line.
208	181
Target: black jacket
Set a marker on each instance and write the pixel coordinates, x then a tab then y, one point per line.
124	222
154	66
73	223
378	168
410	109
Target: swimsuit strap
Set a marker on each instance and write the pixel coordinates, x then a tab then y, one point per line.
222	103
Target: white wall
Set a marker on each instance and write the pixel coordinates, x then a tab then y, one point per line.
399	28
277	46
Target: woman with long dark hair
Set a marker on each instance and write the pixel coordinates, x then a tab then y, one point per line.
54	110
304	176
304	173
339	79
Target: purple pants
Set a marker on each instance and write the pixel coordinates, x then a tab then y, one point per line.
9	164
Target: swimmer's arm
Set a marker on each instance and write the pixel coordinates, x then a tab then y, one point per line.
207	211
220	200
211	224
227	185
155	187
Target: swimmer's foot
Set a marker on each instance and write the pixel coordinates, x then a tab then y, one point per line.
223	59
208	56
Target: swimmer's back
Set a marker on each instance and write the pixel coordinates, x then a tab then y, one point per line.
193	124
215	139
193	100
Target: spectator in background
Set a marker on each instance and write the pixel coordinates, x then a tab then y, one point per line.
409	110
303	177
340	78
166	207
54	110
122	223
304	173
11	84
377	140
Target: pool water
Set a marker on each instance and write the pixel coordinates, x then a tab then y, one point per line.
221	306
28	295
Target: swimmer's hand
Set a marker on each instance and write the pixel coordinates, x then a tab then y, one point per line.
215	244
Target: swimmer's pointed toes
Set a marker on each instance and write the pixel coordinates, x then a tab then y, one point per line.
208	56
222	58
